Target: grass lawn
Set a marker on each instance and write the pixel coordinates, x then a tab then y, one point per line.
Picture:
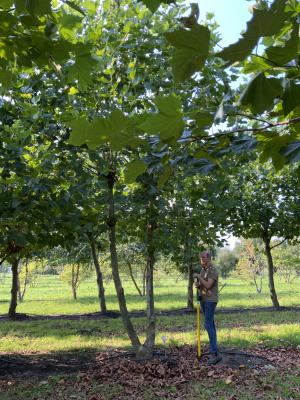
245	330
50	295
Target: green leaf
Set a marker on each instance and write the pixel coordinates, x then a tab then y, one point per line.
6	4
165	176
79	132
242	144
203	166
259	95
203	119
283	54
34	7
263	23
168	122
74	6
291	97
82	71
97	133
152	4
271	145
6	78
292	152
69	20
133	170
192	47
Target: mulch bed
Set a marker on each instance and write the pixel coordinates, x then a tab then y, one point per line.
175	362
169	375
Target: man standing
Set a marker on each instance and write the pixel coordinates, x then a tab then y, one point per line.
207	284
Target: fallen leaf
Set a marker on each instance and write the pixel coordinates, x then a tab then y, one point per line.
228	380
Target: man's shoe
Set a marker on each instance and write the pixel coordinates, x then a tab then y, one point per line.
214	359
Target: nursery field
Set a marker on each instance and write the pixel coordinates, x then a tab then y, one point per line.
58	358
50	295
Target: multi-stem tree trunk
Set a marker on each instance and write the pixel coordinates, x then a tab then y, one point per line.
101	290
133	279
273	294
111	222
190	300
21	292
258	283
14	288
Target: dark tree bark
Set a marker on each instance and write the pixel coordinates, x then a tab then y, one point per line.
133	279
190	300
273	294
111	222
147	352
101	290
14	289
21	292
144	280
75	277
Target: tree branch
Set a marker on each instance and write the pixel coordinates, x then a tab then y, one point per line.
262	128
278	244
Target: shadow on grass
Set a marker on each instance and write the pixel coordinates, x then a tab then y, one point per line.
47	364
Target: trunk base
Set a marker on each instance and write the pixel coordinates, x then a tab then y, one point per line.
143	353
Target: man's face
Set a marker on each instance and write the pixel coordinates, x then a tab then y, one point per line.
204	260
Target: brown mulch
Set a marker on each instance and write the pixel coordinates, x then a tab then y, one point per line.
176	361
167	376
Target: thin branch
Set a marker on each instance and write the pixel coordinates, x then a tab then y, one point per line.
4	257
225	133
252	117
278	244
273	62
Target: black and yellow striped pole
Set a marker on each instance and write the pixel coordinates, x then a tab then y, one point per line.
198	330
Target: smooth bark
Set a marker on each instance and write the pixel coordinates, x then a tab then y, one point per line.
190	300
273	294
133	279
101	290
151	318
111	222
14	288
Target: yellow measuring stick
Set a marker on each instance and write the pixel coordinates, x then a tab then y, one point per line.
198	331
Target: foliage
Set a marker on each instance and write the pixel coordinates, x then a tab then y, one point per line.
287	261
226	261
251	264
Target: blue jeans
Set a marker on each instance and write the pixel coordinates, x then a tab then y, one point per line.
208	309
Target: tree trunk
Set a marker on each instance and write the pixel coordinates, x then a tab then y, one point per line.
148	348
144	280
132	278
14	289
273	294
101	290
74	286
21	293
111	222
190	300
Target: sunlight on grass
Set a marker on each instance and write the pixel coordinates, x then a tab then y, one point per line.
52	296
238	330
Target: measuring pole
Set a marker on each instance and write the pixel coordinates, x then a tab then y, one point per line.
198	330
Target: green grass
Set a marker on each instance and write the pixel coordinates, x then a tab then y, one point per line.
239	330
52	296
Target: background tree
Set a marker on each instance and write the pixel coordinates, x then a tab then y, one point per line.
226	261
251	263
287	261
263	204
